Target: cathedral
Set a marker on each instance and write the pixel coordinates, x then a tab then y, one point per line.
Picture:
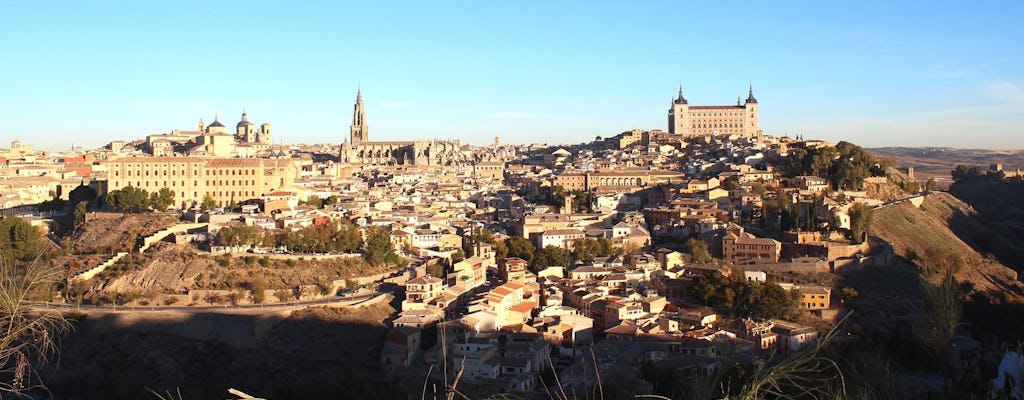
358	149
688	121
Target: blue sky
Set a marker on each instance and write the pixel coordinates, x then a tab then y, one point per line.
874	73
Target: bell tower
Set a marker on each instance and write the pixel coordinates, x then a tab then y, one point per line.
359	131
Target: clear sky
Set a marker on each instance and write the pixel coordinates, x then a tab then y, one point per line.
912	73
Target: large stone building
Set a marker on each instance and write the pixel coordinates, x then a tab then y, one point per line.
688	121
358	149
226	180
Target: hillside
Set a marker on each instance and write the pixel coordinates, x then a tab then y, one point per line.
113	232
927	233
318	353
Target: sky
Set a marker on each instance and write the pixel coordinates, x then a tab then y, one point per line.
907	73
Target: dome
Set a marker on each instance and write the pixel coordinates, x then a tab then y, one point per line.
216	124
244	121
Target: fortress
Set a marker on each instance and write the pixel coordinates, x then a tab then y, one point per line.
688	121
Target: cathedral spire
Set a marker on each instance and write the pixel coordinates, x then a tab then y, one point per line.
750	95
359	131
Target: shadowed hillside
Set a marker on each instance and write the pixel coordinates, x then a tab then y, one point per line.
314	354
935	230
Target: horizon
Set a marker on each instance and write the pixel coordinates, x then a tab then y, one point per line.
909	76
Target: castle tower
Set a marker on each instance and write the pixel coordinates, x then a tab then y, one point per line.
751	125
359	131
678	121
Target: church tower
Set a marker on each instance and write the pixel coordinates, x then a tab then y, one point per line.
678	121
359	130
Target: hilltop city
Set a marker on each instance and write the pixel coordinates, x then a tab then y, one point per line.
650	255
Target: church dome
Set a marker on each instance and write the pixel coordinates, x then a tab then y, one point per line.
216	124
244	121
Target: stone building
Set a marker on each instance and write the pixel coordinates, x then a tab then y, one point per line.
358	149
226	180
689	121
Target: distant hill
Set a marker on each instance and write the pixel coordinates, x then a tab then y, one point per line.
936	162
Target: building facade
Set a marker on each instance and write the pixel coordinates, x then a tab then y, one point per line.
226	180
689	121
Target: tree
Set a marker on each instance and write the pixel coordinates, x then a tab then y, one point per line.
550	256
162	199
82	193
30	334
130	198
930	185
458	256
706	286
500	250
378	249
698	250
583	201
19	240
769	300
520	247
208	203
236	236
258	286
79	215
860	221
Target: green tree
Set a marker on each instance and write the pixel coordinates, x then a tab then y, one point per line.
706	286
208	203
129	198
769	300
550	256
860	221
378	249
19	240
241	235
458	256
520	247
79	215
161	199
583	201
500	250
590	248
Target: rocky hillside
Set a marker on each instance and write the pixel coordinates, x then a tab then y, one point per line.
935	234
110	233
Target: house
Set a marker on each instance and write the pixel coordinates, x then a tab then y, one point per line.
512	269
793	337
421	290
815	297
741	247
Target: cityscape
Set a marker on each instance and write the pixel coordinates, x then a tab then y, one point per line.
514	247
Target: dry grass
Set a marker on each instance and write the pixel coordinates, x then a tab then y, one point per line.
29	335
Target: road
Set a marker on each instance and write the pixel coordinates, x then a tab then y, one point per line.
225	309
